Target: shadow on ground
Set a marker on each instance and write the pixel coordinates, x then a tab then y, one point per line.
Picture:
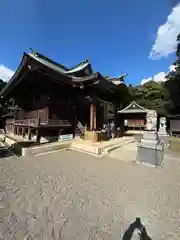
136	225
5	152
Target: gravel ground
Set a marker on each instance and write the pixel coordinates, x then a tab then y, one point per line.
70	195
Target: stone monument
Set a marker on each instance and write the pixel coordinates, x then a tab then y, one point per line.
150	147
162	131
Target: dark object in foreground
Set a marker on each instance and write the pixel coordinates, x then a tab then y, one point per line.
128	235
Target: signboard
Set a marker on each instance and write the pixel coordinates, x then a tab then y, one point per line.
66	137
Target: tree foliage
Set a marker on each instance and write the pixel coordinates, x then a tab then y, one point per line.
173	82
162	97
151	95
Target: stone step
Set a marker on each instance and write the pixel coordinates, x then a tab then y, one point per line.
86	147
48	147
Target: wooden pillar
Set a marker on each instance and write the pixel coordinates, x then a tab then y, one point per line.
74	121
17	128
38	135
23	131
121	126
29	133
116	119
14	129
92	117
94	128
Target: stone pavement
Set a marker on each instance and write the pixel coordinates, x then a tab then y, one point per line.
125	153
71	195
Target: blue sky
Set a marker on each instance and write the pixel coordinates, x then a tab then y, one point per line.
117	35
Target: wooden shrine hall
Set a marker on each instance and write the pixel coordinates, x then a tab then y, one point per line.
133	116
52	99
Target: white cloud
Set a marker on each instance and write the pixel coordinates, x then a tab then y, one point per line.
5	73
166	37
172	68
145	80
159	77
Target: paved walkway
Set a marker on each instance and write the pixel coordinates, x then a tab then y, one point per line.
71	195
125	153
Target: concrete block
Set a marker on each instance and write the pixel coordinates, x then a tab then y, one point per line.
150	149
150	156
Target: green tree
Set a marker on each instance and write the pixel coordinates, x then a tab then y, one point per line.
173	82
151	95
163	97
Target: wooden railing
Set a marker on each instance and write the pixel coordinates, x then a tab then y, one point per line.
80	126
52	122
27	122
36	122
10	121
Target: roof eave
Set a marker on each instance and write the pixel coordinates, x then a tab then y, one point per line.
15	76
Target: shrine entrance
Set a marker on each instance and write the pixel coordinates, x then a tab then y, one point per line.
132	117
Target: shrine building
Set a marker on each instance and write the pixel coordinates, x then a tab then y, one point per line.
51	99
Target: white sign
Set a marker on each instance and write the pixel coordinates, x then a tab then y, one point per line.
66	137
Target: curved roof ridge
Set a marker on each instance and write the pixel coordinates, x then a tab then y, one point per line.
43	57
84	62
121	78
78	68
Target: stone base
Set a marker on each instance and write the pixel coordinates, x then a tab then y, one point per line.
163	136
91	136
150	149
